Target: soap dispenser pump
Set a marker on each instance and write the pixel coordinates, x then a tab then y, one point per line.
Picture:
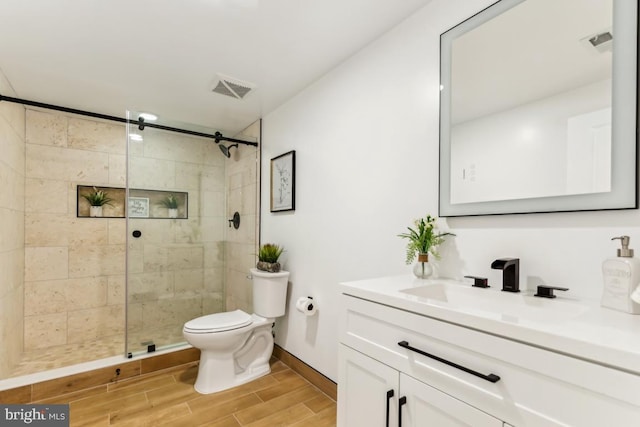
621	278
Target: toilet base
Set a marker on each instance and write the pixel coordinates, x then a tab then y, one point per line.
210	382
221	371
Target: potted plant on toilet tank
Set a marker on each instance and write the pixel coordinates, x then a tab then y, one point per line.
268	257
97	199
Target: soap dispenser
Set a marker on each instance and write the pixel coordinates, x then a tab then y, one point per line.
621	278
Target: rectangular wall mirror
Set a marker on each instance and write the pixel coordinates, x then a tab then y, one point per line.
538	108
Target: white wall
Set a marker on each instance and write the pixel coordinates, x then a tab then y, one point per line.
366	141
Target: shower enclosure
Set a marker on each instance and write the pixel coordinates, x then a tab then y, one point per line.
184	257
74	278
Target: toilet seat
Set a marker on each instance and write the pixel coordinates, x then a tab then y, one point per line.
218	322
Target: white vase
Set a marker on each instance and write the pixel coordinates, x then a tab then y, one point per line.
422	269
173	213
95	211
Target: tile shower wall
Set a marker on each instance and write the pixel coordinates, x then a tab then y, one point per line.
74	267
12	177
242	244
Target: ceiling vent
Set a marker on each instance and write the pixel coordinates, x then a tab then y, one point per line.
601	42
232	87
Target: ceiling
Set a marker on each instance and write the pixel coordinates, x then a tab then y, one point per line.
512	60
107	56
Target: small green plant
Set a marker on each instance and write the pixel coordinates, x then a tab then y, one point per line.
170	202
424	238
270	252
98	198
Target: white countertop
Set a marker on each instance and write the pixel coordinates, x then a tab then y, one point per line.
596	334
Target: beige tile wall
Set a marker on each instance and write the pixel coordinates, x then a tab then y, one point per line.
74	267
12	205
242	244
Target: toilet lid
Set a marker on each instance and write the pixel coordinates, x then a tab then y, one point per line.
219	322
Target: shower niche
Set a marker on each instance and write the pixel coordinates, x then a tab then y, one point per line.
158	204
141	203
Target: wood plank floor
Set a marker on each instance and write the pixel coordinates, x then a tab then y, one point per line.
167	398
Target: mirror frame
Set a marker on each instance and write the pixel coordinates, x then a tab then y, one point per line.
624	157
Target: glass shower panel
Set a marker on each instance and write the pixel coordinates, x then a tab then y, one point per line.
176	219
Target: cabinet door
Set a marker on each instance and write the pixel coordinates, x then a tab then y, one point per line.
367	391
427	406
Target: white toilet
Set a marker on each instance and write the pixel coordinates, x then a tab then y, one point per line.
236	346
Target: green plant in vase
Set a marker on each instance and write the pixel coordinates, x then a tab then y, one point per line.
268	256
171	203
423	240
97	199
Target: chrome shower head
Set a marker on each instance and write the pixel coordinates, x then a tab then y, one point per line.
227	150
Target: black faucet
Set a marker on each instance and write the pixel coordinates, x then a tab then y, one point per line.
510	273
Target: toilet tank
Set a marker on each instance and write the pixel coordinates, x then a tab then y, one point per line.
269	293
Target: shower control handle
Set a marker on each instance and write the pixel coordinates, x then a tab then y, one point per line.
235	221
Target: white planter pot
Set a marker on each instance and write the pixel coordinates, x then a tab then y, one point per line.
95	211
173	213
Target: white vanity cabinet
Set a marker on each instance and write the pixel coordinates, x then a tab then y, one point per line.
448	375
374	394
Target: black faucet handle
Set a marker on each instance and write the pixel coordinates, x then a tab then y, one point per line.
545	291
479	282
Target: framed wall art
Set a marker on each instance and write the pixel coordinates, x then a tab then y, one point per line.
283	182
138	207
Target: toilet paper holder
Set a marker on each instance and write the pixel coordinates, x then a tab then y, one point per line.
306	305
310	306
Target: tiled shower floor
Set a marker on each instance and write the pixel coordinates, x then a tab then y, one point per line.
44	359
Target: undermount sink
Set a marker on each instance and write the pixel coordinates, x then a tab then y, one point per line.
507	306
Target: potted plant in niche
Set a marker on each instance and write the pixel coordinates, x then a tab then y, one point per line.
171	203
97	199
423	240
268	257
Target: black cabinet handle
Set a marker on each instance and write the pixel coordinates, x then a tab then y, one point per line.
390	394
401	402
492	378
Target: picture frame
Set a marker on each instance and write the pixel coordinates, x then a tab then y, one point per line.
283	182
138	207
